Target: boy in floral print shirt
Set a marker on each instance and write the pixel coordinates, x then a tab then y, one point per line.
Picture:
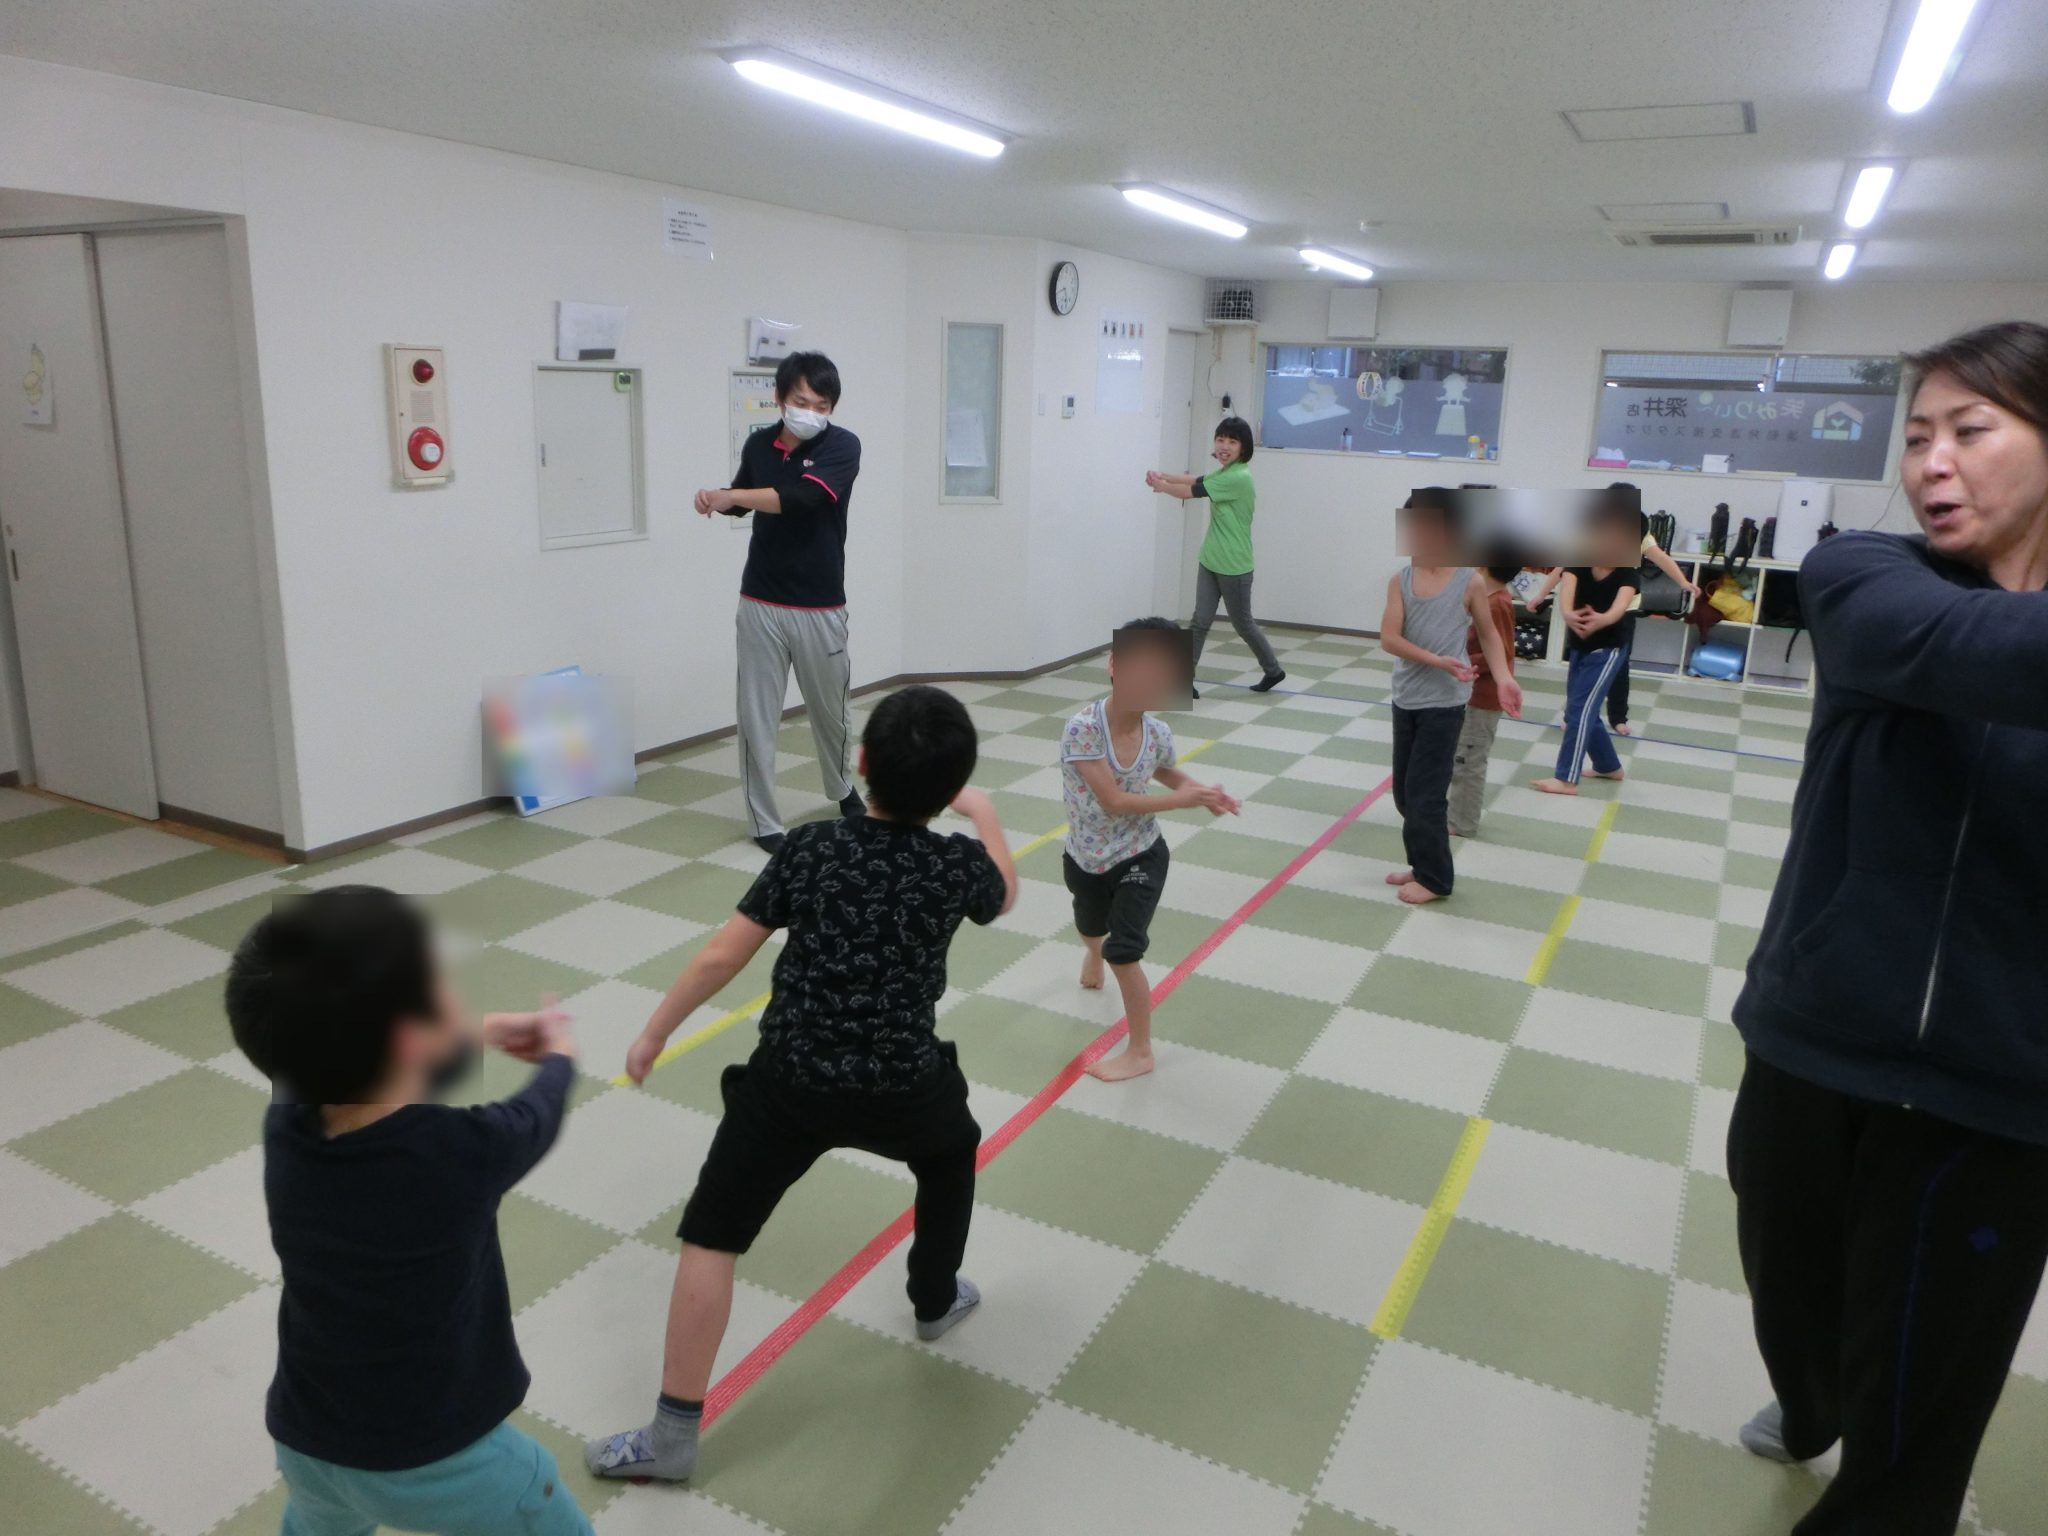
1116	857
849	1054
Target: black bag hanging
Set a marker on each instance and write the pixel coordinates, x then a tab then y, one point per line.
1767	541
1745	542
1717	535
1664	529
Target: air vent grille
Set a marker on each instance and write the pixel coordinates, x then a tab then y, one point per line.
1682	236
1231	301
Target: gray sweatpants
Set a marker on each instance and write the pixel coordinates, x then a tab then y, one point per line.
772	640
1468	769
1235	592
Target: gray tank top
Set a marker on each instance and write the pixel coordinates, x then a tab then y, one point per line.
1436	624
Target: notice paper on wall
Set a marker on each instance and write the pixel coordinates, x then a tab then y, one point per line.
966	440
588	333
38	394
685	230
1120	363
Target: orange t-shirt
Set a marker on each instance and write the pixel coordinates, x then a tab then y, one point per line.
1502	606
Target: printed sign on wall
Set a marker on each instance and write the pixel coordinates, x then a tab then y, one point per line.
38	398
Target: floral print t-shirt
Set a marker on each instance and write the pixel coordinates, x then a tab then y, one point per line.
1096	840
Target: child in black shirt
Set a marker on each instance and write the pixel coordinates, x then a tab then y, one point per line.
396	1363
848	1056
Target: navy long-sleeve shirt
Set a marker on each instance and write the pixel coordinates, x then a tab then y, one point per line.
1904	958
394	1333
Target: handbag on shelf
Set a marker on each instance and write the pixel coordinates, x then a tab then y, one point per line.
1661	595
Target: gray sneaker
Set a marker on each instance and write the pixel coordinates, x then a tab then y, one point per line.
965	1300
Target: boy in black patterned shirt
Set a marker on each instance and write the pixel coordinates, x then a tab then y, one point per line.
849	1054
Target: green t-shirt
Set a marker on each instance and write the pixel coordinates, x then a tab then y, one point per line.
1228	549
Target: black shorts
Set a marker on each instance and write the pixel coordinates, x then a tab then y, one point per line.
1119	902
773	1131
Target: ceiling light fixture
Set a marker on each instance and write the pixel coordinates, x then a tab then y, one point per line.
823	87
1841	256
1930	52
1173	206
1873	182
1329	261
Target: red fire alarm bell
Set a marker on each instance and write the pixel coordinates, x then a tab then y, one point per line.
418	380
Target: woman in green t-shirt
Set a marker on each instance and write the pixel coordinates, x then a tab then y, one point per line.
1225	571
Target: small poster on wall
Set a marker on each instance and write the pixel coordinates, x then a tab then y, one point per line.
38	398
1120	363
685	230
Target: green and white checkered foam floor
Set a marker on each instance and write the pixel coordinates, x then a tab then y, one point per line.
1182	1273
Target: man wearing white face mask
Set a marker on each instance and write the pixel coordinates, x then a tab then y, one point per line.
798	477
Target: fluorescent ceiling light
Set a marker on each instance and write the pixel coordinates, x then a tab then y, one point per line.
1329	261
1841	255
1173	206
871	103
1867	196
1930	50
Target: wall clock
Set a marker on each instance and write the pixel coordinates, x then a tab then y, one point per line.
1065	290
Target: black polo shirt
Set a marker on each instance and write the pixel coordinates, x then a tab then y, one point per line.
798	556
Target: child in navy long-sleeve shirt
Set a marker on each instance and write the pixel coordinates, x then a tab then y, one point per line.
397	1368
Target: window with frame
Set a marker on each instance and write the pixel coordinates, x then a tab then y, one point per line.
971	451
1819	417
1397	402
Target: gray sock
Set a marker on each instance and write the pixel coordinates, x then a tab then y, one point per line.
1764	1435
965	1299
665	1448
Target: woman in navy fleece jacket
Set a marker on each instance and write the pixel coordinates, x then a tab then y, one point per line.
1889	1147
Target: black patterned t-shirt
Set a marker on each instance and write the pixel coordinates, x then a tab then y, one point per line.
870	907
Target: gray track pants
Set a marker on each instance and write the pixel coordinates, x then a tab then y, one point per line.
1235	592
773	640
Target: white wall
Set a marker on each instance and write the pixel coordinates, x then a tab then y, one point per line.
1096	532
1326	528
394	605
1069	551
956	555
391	607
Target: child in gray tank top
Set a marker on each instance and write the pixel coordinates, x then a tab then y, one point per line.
1431	606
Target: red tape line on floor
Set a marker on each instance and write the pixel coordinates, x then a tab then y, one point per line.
750	1370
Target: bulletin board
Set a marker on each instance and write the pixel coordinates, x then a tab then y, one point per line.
751	406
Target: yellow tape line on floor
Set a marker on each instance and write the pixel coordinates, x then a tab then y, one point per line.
1569	907
748	1010
1395	1306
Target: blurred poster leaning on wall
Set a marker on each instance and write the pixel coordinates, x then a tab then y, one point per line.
560	736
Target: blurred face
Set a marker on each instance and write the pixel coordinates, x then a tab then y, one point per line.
1147	676
441	1047
1976	474
1225	450
1425	535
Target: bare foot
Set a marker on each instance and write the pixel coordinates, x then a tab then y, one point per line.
1416	894
1621	729
1401	877
1091	972
1555	787
1617	775
1122	1066
1456	833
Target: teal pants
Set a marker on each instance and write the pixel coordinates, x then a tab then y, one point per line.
505	1484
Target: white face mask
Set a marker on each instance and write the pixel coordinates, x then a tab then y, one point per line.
803	425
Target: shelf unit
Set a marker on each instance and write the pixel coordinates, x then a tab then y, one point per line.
1776	657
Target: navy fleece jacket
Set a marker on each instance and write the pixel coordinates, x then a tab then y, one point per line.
1904	958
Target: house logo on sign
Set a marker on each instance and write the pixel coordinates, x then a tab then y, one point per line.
1840	422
